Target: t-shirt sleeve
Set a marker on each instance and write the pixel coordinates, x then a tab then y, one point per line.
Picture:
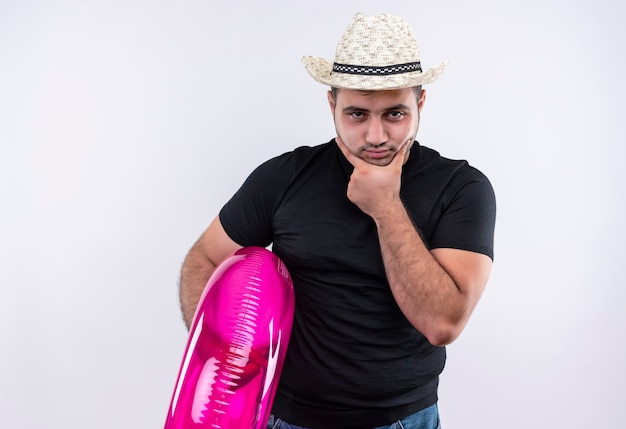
468	222
247	217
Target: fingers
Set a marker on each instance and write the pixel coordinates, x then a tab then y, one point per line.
402	154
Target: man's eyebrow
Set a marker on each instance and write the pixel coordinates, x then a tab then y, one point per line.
399	107
354	109
387	109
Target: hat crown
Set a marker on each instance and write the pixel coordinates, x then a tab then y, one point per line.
378	41
376	52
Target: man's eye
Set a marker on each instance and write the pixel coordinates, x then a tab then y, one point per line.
396	115
357	115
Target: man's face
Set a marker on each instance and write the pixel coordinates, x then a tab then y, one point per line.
375	124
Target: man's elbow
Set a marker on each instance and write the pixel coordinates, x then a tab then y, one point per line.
444	334
441	339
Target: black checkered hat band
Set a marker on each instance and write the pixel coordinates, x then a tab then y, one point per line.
377	71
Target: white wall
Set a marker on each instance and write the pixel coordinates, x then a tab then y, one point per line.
125	125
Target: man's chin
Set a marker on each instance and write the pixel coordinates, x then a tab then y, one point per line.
381	162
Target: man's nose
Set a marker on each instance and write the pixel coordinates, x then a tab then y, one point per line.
376	133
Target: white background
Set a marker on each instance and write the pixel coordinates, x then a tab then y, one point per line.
125	125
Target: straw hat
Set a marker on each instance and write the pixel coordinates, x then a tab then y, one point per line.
376	52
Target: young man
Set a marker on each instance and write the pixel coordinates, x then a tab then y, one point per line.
389	245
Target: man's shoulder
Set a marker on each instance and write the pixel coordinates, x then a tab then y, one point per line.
295	159
312	155
429	155
304	151
433	169
314	150
431	158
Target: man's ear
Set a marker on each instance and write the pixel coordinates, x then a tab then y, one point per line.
421	101
331	102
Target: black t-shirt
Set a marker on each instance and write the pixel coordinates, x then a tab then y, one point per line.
354	360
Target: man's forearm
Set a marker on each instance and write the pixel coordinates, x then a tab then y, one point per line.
424	291
195	273
206	254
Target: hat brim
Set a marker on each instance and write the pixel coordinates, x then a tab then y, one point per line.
322	71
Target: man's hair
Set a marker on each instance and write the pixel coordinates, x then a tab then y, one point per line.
418	92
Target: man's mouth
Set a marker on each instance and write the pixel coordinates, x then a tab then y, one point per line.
377	153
